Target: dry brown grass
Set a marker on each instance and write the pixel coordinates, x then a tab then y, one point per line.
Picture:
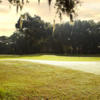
30	81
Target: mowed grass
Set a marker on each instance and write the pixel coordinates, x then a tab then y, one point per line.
31	81
51	57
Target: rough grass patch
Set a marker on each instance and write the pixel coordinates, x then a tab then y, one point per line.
31	81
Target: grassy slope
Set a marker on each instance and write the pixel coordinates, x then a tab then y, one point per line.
51	57
29	81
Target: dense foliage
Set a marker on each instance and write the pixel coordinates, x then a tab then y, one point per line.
36	36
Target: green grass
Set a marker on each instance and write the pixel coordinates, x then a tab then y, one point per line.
50	57
31	81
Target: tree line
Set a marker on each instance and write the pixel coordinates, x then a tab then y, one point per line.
37	36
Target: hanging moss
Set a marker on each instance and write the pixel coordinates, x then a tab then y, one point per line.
66	7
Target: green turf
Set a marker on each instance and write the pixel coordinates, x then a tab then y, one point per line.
31	81
50	57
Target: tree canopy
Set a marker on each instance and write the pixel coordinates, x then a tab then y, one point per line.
36	37
66	7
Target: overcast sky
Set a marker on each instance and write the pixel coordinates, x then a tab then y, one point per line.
89	9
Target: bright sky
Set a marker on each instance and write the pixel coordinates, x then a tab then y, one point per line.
89	9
